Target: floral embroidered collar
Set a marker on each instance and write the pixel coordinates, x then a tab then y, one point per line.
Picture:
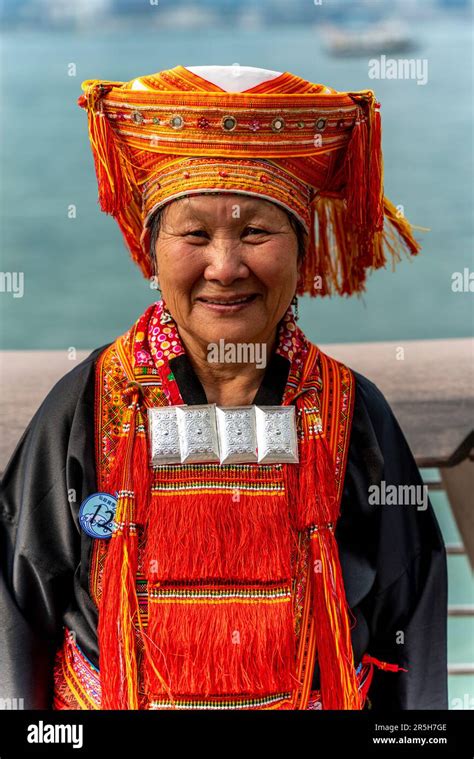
158	346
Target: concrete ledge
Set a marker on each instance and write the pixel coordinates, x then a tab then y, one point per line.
431	391
26	377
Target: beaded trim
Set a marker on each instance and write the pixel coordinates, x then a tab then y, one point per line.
272	123
250	488
274	700
220	594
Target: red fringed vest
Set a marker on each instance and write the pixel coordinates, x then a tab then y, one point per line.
222	584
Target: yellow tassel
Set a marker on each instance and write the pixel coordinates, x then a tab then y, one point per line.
131	672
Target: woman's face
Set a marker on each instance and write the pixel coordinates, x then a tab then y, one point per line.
213	250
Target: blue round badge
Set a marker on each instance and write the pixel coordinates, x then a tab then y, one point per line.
96	515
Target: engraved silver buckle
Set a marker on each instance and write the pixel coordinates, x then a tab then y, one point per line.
208	433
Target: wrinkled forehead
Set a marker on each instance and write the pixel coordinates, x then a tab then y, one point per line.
221	204
221	207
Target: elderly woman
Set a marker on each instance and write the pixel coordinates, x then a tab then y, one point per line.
187	520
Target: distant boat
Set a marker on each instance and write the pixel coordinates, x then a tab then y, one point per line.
386	38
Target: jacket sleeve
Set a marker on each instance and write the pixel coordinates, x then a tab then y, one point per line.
40	538
406	608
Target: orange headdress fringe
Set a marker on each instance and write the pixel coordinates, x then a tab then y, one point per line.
118	194
351	234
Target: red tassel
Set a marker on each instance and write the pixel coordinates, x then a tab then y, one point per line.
226	646
376	198
114	480
402	229
319	511
311	267
364	180
191	537
314	474
221	648
367	674
118	190
316	262
119	603
339	687
367	659
357	162
321	264
116	647
113	168
142	469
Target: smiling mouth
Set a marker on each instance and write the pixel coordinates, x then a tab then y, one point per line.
229	301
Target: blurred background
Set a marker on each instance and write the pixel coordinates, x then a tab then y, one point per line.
80	287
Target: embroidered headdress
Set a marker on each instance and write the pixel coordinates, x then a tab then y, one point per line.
314	151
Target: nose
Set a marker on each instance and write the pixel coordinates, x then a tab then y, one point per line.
225	262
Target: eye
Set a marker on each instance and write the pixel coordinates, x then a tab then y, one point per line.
254	231
196	233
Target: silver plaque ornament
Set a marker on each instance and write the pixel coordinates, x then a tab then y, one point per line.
164	437
277	439
237	434
209	433
197	432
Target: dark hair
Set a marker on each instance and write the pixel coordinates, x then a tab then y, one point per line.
156	219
